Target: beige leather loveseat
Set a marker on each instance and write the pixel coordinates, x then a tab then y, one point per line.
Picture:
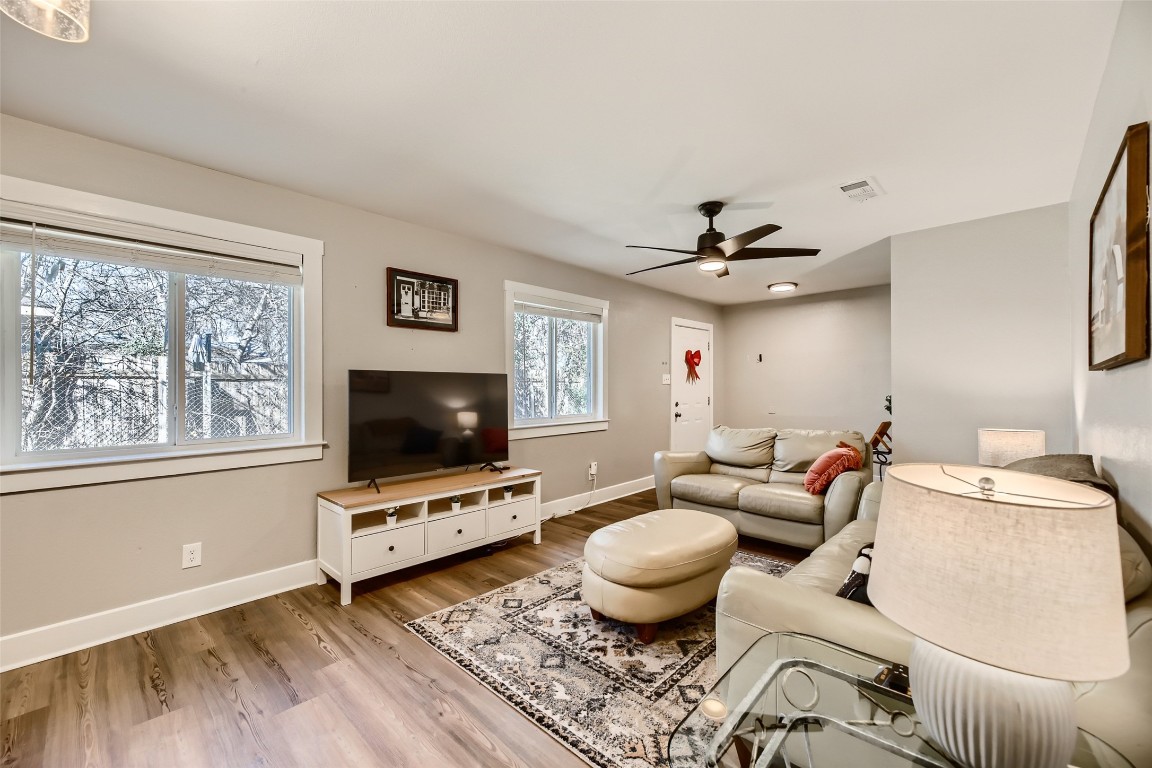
755	479
751	604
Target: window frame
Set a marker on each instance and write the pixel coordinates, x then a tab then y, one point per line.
57	206
564	425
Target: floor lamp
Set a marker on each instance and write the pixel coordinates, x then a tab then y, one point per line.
1011	584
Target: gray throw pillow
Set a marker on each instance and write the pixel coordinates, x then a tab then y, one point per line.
1076	467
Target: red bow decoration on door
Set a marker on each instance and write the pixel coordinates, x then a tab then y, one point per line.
692	359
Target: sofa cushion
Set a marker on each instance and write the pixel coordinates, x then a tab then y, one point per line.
1134	567
759	474
713	490
795	450
740	447
829	563
784	501
830	465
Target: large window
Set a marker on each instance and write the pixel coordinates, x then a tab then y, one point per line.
119	349
556	361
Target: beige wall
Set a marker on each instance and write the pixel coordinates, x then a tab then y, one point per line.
980	325
74	552
826	361
1113	408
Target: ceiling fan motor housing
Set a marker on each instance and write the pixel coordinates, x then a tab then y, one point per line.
709	239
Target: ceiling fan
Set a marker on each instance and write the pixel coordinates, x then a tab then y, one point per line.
714	252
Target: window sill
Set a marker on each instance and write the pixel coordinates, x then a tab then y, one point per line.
20	478
560	428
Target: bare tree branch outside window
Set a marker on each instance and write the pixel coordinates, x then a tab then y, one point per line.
552	366
94	355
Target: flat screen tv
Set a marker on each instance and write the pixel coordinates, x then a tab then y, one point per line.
410	422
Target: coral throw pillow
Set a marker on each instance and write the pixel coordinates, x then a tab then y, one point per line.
825	469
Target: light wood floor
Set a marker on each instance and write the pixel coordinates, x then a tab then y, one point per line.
298	680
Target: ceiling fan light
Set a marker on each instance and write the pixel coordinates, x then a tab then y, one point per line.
783	287
711	264
65	20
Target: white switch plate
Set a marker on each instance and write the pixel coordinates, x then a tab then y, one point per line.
666	378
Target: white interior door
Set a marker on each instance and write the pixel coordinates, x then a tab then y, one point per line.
691	396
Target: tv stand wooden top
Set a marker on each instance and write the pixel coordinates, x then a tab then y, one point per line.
429	486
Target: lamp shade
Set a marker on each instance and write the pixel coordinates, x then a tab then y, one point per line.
468	419
997	447
1025	577
65	20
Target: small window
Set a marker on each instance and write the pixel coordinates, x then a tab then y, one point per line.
556	342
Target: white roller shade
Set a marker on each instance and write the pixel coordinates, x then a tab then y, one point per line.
550	307
54	241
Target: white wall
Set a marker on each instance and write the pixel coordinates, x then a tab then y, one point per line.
980	327
73	552
826	361
1113	408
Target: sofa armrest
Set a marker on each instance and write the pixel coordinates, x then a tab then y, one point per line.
869	508
668	465
842	499
1118	710
751	604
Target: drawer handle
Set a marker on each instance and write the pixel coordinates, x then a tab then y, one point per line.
392	548
459	531
513	517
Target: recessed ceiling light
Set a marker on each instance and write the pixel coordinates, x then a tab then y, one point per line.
782	287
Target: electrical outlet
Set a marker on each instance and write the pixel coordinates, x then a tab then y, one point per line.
592	470
191	556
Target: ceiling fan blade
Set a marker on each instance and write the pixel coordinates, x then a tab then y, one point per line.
669	264
772	253
670	250
722	273
743	240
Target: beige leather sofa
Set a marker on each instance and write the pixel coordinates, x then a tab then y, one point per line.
755	479
751	604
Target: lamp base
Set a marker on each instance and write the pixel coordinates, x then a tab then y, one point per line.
986	717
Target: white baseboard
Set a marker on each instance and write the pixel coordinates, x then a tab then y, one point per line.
30	646
561	507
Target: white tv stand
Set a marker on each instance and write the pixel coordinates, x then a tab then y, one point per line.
356	539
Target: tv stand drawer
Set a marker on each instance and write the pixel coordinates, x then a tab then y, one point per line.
509	517
454	531
380	549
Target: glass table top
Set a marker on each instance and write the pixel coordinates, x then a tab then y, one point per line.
794	700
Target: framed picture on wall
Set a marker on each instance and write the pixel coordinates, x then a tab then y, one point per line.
1118	259
416	300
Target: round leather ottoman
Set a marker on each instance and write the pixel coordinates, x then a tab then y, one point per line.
656	566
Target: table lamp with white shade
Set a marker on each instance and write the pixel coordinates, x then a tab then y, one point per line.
1011	584
998	447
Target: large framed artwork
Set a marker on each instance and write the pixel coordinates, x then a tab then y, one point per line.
1118	259
416	300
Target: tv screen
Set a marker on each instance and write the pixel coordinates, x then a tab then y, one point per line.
408	422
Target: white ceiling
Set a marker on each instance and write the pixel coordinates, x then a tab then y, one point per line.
569	130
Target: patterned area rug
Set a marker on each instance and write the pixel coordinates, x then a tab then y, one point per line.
610	699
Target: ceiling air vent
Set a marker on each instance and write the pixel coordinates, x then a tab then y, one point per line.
862	190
